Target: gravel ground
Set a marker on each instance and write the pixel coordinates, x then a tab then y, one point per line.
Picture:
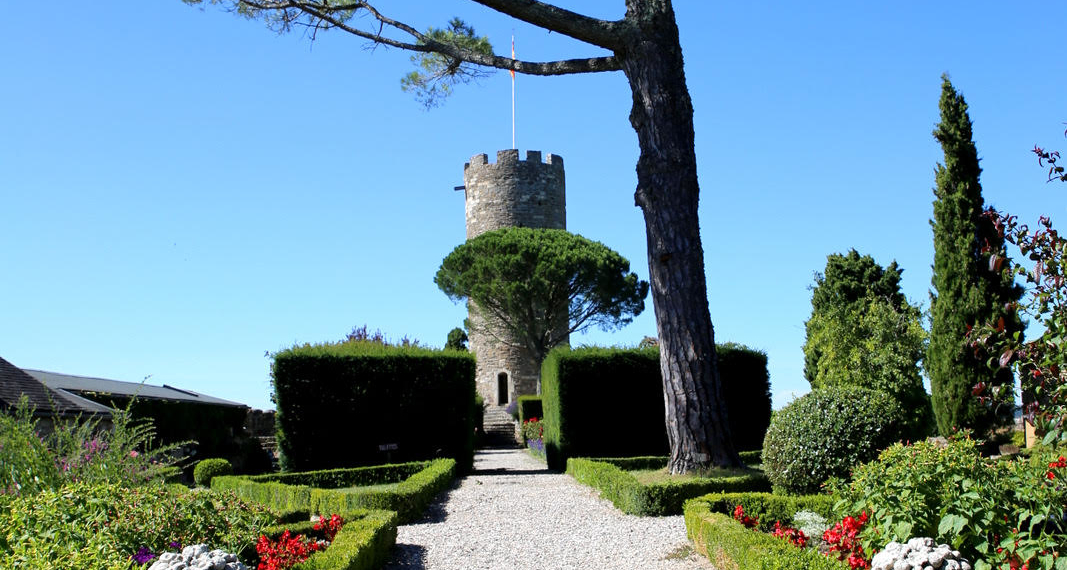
512	513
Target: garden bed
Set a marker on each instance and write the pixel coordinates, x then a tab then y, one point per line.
727	543
409	488
618	481
364	542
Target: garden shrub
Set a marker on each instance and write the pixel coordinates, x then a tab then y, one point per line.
530	407
207	469
728	544
84	525
533	429
365	403
993	511
658	499
79	450
873	344
826	433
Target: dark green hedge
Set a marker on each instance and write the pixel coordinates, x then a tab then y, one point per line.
601	402
746	386
754	457
606	402
530	407
409	498
728	544
659	499
363	403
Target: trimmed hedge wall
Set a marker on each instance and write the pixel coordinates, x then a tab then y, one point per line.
364	403
728	544
297	491
659	499
593	396
746	386
590	394
530	407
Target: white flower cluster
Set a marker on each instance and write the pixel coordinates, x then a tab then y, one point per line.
919	554
198	557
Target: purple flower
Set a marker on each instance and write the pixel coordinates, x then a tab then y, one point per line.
143	555
175	545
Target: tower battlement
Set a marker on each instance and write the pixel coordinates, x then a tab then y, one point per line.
514	193
509	157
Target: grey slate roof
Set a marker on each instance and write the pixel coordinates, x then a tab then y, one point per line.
14	383
79	384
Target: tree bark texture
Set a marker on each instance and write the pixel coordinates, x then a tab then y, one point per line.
668	195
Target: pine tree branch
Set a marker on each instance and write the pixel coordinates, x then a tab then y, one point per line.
602	33
321	15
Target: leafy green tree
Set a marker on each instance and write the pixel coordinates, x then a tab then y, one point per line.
529	280
873	344
966	290
848	280
457	339
643	44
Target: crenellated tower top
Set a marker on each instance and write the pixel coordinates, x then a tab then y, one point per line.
514	193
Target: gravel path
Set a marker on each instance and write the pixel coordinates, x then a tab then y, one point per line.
514	514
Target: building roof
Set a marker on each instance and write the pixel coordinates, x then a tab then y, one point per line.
14	383
84	384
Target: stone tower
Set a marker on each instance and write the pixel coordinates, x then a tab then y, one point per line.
511	193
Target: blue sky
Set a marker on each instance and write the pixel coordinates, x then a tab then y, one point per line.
182	191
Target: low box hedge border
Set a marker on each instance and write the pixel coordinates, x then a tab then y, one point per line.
729	545
300	491
769	507
610	477
365	542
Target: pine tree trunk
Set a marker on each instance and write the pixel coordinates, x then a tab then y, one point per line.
668	195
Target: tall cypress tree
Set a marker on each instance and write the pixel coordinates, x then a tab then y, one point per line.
965	291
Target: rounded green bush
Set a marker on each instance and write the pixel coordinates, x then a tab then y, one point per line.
208	469
826	433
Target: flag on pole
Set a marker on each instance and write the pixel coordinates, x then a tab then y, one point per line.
512	56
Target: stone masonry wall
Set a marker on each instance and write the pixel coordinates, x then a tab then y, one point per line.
510	193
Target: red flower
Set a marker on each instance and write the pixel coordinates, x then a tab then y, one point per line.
739	515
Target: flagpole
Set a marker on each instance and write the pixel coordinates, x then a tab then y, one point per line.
513	94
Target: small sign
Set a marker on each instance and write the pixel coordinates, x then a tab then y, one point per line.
387	447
